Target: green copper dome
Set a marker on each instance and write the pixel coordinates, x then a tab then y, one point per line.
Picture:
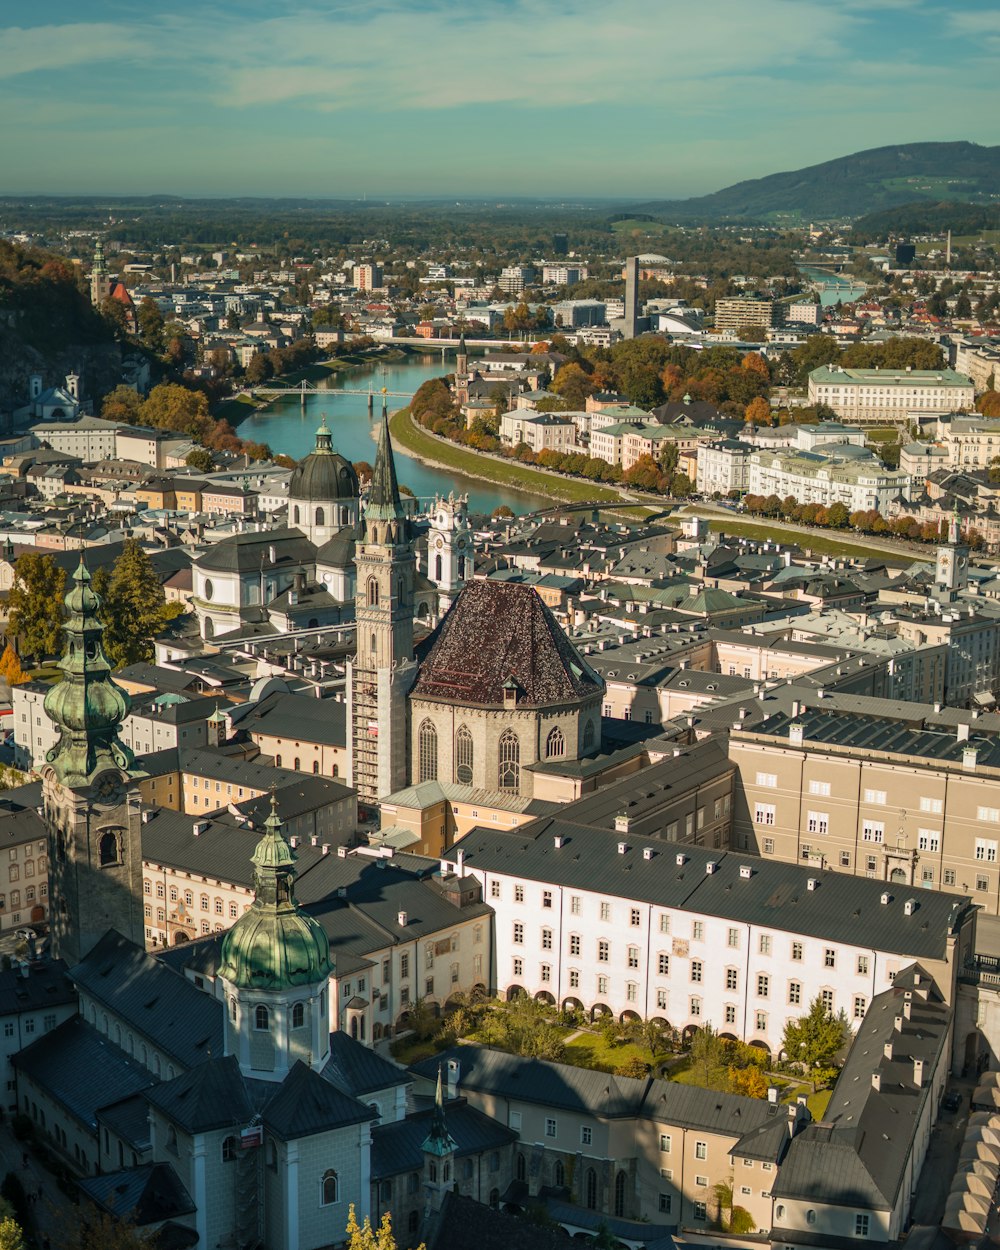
86	706
274	945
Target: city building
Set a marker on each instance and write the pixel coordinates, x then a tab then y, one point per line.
889	396
851	476
733	313
367	277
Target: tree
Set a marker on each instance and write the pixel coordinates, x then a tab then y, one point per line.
573	384
989	404
815	1038
732	1219
11	1237
708	1059
150	321
122	404
172	407
10	667
134	609
758	411
35	604
749	1081
367	1238
97	1230
837	516
201	459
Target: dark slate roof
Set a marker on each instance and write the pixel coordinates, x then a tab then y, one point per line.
397	1147
356	1070
129	1119
495	632
46	985
304	1103
157	1002
464	1224
211	1096
144	1195
75	1062
775	895
247	553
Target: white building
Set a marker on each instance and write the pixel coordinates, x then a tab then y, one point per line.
541	431
723	467
859	481
89	438
889	395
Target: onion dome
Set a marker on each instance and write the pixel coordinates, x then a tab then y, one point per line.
87	706
323	475
274	945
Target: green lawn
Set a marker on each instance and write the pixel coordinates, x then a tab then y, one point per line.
591	1051
807	539
882	434
407	434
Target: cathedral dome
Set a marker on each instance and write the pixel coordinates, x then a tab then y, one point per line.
323	475
274	945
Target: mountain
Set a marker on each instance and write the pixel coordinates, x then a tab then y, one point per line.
850	185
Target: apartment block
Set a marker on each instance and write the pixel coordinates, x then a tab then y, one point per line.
889	396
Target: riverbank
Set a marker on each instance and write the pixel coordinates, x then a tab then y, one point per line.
819	542
441	453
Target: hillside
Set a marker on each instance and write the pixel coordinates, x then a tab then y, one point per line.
926	218
850	185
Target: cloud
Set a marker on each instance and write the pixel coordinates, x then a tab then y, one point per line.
26	50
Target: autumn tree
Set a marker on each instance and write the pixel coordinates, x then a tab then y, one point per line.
201	459
172	407
98	1230
35	604
364	1237
122	405
150	322
989	404
10	667
749	1081
11	1236
573	384
758	411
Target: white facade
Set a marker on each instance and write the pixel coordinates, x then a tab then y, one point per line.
723	467
860	483
889	395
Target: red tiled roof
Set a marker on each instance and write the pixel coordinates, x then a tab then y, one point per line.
497	632
120	293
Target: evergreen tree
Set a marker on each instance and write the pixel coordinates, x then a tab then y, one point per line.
35	604
815	1038
134	608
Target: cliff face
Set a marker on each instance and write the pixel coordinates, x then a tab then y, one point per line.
98	364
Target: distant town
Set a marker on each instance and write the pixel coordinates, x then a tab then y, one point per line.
500	731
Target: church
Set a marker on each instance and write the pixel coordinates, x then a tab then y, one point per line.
215	1105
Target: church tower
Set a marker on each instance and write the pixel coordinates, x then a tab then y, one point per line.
95	846
383	668
439	1156
275	967
449	548
462	372
951	566
99	277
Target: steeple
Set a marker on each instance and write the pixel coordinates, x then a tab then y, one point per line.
87	706
439	1141
98	276
383	503
438	1150
324	439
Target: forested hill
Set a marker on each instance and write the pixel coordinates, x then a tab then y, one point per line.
850	186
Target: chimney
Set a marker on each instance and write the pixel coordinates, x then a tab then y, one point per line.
910	906
680	859
460	863
907	1008
401	919
622	823
559	841
962	733
811	884
876	1080
341	852
710	868
454	1071
772	1095
795	734
622	848
918	1072
325	848
969	756
746	872
887	1050
897	1024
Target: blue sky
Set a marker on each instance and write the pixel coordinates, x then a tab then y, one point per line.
631	98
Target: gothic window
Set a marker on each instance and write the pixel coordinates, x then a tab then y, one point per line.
464	755
521	1170
329	1189
298	1015
438	569
509	762
427	752
260	1019
399	591
172	1139
620	1182
230	1147
461	568
588	734
320	516
374	641
297	764
232	1009
372	592
109	849
591	1189
558	1174
555	744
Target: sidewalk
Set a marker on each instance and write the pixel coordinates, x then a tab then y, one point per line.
52	1212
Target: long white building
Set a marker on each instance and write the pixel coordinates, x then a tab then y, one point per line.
645	928
889	395
844	474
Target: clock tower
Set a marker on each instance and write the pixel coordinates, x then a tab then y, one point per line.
449	548
951	565
95	850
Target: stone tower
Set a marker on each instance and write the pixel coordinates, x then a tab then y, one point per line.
449	548
383	668
98	277
439	1156
951	565
95	846
275	966
462	372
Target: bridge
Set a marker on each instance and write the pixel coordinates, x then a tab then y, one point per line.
302	389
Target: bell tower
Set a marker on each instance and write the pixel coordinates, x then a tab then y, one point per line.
449	548
383	669
438	1149
98	277
462	372
95	845
951	565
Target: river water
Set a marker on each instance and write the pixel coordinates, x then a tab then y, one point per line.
836	286
291	431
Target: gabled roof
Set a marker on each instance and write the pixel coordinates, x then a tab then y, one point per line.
396	1147
356	1070
211	1096
144	1195
496	633
305	1103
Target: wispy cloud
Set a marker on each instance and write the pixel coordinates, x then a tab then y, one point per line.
25	50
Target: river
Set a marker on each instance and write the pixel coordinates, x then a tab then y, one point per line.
292	432
836	286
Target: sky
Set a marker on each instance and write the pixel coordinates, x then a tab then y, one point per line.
494	98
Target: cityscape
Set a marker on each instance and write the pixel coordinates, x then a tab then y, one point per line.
499	725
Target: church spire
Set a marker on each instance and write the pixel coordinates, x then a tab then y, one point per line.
87	706
383	503
324	439
439	1141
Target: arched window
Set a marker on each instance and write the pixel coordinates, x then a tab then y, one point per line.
232	1008
230	1149
260	1018
297	764
620	1181
464	756
494	1198
277	760
438	568
521	1168
372	592
110	849
588	735
399	590
298	1015
295	515
427	752
272	1154
558	1174
591	1190
315	766
171	1139
555	744
461	568
329	1188
320	516
374	643
509	761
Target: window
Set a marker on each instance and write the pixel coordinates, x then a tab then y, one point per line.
603	951
819	787
875	796
769	780
760	1021
989	814
518	933
147	887
797	952
818	822
696	969
663	965
602	985
546	939
769	846
574	944
574	904
664	923
635	917
518	893
464	756
862	965
555	744
329	1189
861	1225
665	1143
733	938
494	889
935	806
427	752
732	979
763	814
795	992
873	830
928	840
550	1128
518	967
605	911
298	1015
509	761
633	957
827	997
730	1014
763	985
230	1149
949	876
661	999
829	957
547	899
860	1006
261	1019
159	889
591	1189
986	849
700	1211
694	1007
546	973
982	883
664	1204
765	944
109	850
